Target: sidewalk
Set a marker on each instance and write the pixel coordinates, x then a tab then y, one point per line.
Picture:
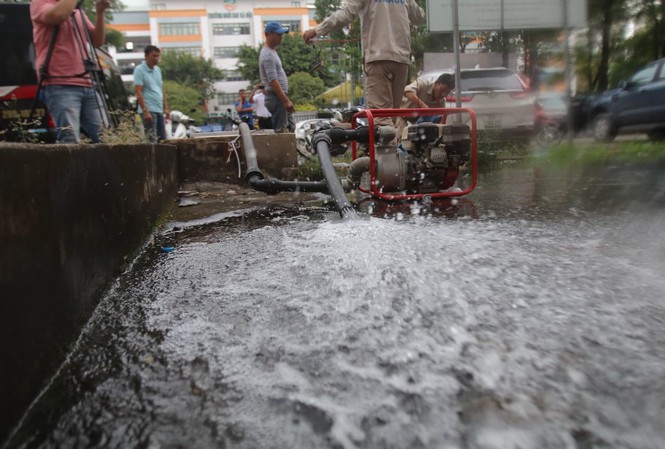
197	200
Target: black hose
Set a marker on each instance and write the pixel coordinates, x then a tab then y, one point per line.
254	177
322	143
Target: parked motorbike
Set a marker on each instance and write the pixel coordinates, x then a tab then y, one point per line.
305	129
180	126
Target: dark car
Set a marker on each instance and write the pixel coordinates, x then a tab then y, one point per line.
18	80
636	106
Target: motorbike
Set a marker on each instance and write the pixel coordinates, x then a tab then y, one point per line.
306	128
180	126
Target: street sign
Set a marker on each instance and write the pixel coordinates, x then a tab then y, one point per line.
517	14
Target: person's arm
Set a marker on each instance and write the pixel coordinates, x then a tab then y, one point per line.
98	34
141	101
416	13
59	12
413	97
240	107
349	11
251	97
277	88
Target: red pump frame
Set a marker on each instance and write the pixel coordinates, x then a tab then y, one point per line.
444	112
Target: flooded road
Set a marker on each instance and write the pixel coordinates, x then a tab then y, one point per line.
530	314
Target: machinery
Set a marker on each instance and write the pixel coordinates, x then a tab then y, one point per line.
424	163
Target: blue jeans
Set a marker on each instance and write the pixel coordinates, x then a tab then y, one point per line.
74	108
429	118
155	130
282	121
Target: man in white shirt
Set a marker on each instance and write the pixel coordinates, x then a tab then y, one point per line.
259	99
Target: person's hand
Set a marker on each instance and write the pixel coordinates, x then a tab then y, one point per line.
288	105
309	35
147	116
102	5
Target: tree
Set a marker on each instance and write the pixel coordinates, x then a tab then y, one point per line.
185	99
304	88
296	57
192	71
607	19
115	38
342	46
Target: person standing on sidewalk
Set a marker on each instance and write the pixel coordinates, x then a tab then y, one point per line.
245	108
386	44
259	99
67	85
274	78
150	95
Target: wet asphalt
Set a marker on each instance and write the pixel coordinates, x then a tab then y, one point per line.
529	314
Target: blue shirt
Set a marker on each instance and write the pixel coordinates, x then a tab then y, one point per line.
151	80
249	115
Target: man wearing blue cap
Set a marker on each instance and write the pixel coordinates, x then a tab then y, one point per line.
274	78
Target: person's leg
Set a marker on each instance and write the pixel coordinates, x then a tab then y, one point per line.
400	80
291	123
64	105
160	125
378	88
279	117
265	122
150	128
92	112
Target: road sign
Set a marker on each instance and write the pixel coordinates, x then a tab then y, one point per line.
517	14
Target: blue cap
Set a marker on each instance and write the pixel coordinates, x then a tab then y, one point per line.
274	27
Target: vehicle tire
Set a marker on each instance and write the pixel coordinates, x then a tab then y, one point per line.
548	136
656	135
602	128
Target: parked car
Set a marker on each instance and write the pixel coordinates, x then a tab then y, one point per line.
503	105
637	105
18	80
552	118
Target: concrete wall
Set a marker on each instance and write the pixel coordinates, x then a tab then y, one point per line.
70	218
210	159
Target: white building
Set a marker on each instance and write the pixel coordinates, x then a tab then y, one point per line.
214	29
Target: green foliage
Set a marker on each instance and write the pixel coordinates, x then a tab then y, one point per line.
248	63
115	38
192	71
296	57
185	99
304	88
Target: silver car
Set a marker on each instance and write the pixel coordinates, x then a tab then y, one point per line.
504	107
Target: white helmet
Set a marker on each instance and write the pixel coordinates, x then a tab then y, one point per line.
177	116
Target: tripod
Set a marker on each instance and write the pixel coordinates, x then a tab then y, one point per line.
91	65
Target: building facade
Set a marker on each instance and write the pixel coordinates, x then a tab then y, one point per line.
213	29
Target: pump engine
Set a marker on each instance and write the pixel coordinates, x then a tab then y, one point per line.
427	160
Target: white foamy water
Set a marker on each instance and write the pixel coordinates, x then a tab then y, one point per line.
419	333
534	321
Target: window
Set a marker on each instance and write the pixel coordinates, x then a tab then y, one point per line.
223	98
226	52
644	76
230	29
292	25
295	4
179	29
232	75
230	15
490	80
194	51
